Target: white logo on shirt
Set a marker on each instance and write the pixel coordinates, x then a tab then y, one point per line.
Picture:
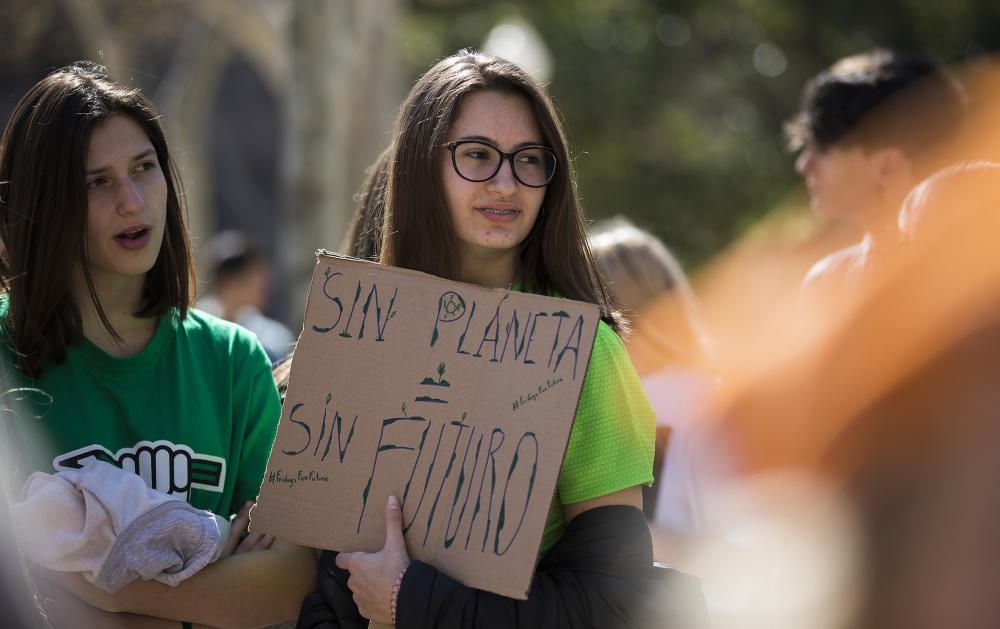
171	468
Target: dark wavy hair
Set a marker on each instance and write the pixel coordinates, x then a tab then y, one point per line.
555	256
43	212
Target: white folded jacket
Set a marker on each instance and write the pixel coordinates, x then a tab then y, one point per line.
107	524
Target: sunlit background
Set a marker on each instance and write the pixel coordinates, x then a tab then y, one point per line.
674	108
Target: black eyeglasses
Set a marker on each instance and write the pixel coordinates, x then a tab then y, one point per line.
475	160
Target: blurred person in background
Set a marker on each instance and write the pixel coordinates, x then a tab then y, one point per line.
670	349
884	433
870	128
674	357
947	200
920	462
239	278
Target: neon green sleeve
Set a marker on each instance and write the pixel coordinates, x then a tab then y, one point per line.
611	445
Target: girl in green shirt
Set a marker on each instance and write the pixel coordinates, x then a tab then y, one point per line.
96	278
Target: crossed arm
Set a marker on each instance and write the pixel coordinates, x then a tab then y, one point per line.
243	590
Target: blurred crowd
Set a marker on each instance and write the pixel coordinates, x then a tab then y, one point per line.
829	463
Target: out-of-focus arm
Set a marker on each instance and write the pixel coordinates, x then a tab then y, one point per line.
244	590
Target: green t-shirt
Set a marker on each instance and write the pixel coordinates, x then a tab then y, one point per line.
194	413
611	444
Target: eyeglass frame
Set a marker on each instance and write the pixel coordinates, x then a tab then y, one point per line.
451	146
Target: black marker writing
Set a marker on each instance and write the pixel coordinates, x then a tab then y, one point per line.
378	450
381	323
336	424
502	518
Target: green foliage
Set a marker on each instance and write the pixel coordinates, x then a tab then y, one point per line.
675	110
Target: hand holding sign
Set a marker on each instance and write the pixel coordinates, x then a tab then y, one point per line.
373	575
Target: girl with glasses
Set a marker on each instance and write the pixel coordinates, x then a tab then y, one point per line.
95	282
479	189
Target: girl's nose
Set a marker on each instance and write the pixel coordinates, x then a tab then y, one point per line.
130	200
504	181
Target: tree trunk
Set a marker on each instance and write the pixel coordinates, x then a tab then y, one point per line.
337	121
185	100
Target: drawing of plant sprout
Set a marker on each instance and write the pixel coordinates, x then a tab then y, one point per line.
440	382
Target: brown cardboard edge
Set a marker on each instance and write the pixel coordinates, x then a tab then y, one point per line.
291	372
562	457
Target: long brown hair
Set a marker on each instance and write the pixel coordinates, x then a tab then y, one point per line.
43	212
364	235
554	257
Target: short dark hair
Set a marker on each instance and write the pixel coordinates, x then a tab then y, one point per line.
43	211
555	256
922	104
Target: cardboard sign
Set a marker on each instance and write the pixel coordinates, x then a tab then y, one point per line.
456	398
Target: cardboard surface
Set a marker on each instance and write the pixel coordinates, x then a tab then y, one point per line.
455	398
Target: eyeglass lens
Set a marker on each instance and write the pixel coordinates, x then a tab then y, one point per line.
533	166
